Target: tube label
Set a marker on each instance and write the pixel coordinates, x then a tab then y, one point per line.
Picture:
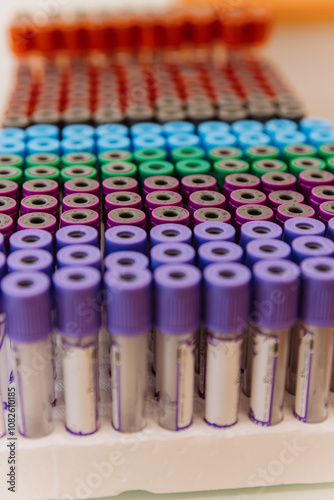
80	388
305	357
115	354
185	383
222	389
266	348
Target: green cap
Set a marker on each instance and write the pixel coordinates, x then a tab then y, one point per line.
190	153
306	163
148	154
224	153
118	168
78	171
261	167
41	172
11	160
298	151
188	167
49	159
79	158
255	153
223	168
149	168
11	174
114	155
326	151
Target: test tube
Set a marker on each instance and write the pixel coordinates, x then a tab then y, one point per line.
277	181
309	179
126	216
227	299
126	260
321	194
213	231
266	249
274	311
40	203
79	255
128	291
158	199
277	198
77	292
38	220
304	247
177	315
218	251
40	187
83	217
27	301
81	200
206	199
263	230
75	235
31	260
291	210
302	226
160	183
170	233
241	197
172	253
211	214
315	351
164	214
121	183
32	239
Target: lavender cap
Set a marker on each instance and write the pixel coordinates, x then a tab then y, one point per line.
227	297
79	255
170	233
77	291
27	301
31	239
172	253
275	293
2	244
126	260
77	234
125	237
177	295
213	231
31	260
311	246
128	302
259	230
302	226
330	229
269	249
317	291
219	251
2	273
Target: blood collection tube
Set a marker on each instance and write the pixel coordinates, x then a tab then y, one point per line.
326	212
321	194
178	215
302	226
315	352
125	237
240	181
309	179
197	182
78	256
272	279
278	181
218	251
76	234
40	203
27	300
84	217
205	199
30	261
291	210
40	187
31	239
126	261
244	196
213	231
227	289
211	214
304	247
82	186
9	189
177	315
6	229
254	230
223	168
122	199
248	213
76	288
266	249
160	183
80	201
170	233
124	183
8	206
118	169
38	220
171	253
126	216
277	198
128	291
158	199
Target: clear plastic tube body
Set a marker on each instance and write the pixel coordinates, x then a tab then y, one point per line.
81	384
269	364
291	376
222	380
34	379
176	375
128	381
315	355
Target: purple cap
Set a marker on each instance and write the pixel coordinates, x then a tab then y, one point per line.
326	212
31	260
227	297
172	253
211	215
160	183
78	295
83	217
8	206
302	226
277	181
240	181
219	251
197	182
213	231
38	220
177	215
170	233
6	229
291	210
78	256
177	298
82	185
277	198
125	237
126	260
244	196
75	235
247	213
275	293
128	301
27	302
2	244
330	229
10	189
206	199
263	230
308	179
269	249
3	270
31	239
157	199
311	246
126	216
122	199
320	194
81	200
317	291
41	187
124	183
40	203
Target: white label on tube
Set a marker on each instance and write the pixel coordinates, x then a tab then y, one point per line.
80	386
263	377
222	381
305	355
185	383
202	360
115	354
